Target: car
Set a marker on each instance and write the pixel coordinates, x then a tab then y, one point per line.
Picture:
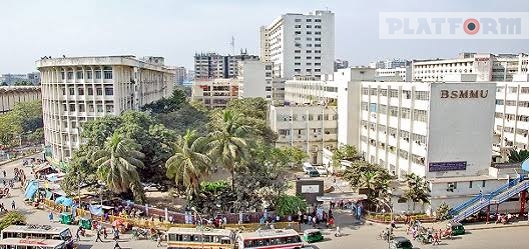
307	167
314	173
322	170
153	187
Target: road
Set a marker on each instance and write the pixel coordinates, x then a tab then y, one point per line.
355	234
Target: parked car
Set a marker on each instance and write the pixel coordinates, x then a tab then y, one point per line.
314	173
307	167
153	187
322	170
400	243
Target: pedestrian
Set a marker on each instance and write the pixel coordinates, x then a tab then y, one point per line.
116	245
159	241
98	235
78	234
5	174
13	206
50	216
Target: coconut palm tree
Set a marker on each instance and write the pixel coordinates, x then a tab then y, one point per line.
190	162
374	182
117	165
228	143
518	156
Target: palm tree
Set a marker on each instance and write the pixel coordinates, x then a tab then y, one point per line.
228	143
417	190
375	184
518	156
117	165
189	163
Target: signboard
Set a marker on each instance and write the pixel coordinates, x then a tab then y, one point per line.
310	189
447	166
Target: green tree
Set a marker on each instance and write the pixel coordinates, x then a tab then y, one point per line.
189	163
288	205
441	213
344	152
518	156
23	83
375	183
187	117
296	156
228	143
418	190
81	171
117	166
9	130
167	105
12	218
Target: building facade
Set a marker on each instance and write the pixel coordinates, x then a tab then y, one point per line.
256	80
487	67
10	95
394	74
307	127
511	119
180	75
300	45
79	89
12	79
216	66
215	92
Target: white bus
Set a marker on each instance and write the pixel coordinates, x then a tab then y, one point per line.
36	232
270	238
16	243
204	238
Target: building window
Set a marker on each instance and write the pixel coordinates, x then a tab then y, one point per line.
309	33
470	184
317	51
308	51
62	75
81	108
317	33
90	91
80	91
297	57
317	20
317	39
422	95
98	75
99	91
297	51
89	75
483	183
317	45
297	20
71	91
109	91
308	20
72	107
297	26
108	74
70	75
297	64
79	74
297	32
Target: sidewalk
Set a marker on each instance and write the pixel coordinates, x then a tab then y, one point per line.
483	226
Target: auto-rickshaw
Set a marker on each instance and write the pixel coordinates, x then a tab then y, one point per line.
66	218
85	223
312	235
400	243
457	229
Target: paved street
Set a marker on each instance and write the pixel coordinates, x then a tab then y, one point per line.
356	235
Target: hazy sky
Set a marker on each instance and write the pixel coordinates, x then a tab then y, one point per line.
177	29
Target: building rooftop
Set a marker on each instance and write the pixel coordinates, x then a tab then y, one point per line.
462	179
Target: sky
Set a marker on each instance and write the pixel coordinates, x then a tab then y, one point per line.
177	29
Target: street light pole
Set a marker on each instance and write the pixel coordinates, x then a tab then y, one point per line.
391	215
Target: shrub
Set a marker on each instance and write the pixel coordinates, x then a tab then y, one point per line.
12	218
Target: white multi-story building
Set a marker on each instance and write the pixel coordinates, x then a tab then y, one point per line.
310	90
487	67
180	75
10	95
512	115
255	78
300	45
394	74
79	89
215	92
308	127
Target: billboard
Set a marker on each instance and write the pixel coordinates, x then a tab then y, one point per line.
447	166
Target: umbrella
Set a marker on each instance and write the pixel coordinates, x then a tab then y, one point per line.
118	222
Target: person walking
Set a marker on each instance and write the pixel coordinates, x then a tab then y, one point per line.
159	241
13	206
116	245
98	235
5	174
50	217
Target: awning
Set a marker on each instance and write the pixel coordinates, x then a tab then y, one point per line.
342	196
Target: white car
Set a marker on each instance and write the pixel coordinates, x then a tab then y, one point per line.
322	170
307	167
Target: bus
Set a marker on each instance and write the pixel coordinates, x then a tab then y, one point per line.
43	232
270	238
206	238
16	243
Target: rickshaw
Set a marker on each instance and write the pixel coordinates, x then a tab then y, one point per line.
85	223
312	235
400	243
66	218
457	229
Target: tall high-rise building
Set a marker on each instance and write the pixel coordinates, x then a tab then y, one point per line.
181	75
79	89
216	66
299	44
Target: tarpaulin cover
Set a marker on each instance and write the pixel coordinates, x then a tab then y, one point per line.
31	189
96	209
65	201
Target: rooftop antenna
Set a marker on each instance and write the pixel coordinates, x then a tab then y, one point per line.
232	44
